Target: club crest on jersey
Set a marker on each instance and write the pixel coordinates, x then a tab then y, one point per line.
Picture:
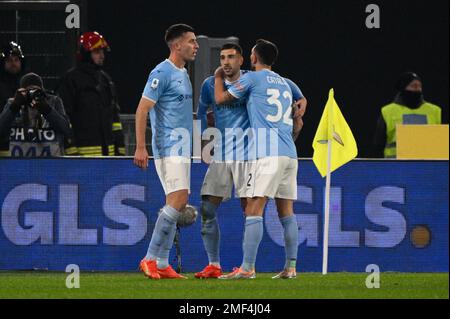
154	84
238	86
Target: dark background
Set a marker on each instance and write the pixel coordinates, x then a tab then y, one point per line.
322	44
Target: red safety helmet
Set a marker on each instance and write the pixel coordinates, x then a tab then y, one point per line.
90	41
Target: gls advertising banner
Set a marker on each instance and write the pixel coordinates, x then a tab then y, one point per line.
100	213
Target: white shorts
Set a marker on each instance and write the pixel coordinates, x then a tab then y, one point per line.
174	173
221	176
274	177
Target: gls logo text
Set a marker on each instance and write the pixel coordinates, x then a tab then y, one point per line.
27	227
375	212
38	225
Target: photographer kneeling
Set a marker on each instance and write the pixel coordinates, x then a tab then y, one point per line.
35	121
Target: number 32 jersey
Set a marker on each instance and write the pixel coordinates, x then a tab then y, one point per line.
269	107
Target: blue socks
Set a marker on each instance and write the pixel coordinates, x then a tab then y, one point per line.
163	257
210	231
162	237
252	238
290	240
165	229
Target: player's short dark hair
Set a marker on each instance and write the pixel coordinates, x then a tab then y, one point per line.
267	51
175	31
235	46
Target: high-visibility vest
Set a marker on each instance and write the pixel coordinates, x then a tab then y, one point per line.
394	114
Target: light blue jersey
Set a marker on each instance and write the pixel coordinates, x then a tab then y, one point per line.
171	117
231	117
296	92
228	117
269	109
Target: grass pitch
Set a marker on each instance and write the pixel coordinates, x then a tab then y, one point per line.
306	286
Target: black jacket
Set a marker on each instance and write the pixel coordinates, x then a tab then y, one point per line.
90	100
38	132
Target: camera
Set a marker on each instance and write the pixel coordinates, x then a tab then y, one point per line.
35	94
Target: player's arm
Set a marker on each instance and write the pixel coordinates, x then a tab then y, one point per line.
301	107
299	98
153	90
141	154
298	108
298	123
220	94
238	90
204	103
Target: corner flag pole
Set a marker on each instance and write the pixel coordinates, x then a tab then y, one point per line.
327	194
327	213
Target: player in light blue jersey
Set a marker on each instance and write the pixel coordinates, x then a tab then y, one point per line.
274	174
227	167
167	97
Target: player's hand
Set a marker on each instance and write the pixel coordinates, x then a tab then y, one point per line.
299	123
219	73
300	108
141	158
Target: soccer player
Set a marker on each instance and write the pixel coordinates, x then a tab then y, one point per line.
167	97
274	175
226	169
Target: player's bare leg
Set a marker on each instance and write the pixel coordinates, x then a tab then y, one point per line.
288	220
178	199
243	204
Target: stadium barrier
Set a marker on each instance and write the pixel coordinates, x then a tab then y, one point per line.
99	214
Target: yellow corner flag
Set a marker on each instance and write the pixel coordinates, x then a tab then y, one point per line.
334	128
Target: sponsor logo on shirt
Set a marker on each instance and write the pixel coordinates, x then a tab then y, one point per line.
182	97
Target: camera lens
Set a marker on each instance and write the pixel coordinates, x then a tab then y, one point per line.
35	94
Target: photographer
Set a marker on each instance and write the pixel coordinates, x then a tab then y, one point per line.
35	121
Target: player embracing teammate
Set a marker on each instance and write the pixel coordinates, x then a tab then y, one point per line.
272	173
254	104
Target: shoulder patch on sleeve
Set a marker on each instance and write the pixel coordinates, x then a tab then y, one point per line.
154	84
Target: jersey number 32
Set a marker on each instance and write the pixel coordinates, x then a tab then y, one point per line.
274	99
